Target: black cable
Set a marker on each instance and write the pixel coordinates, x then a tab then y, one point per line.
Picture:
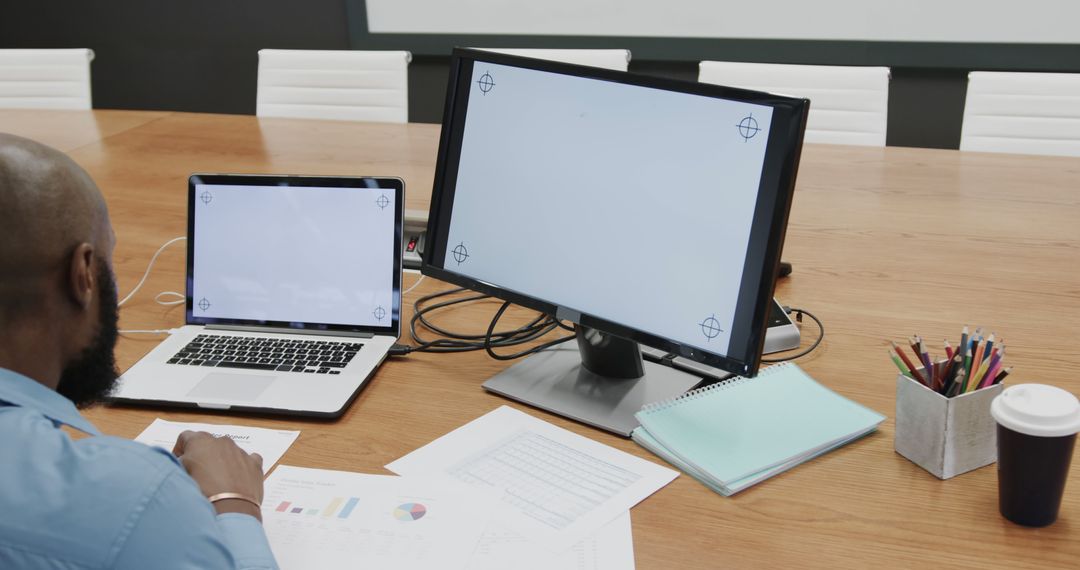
419	316
798	317
539	326
458	342
533	350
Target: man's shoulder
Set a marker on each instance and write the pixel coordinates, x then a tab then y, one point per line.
43	460
78	497
136	455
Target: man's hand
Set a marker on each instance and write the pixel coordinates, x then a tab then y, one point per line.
218	465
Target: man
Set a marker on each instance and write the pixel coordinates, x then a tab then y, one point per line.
96	502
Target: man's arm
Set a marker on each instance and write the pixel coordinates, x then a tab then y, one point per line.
180	529
219	466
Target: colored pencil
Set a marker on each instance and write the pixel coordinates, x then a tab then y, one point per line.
976	380
900	365
949	375
968	350
928	364
988	380
913	342
955	389
969	361
989	347
914	373
993	365
976	362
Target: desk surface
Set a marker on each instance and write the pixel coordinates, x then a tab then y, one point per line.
885	243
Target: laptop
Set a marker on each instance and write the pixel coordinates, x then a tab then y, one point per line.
293	296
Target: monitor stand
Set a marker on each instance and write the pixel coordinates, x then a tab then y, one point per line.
603	382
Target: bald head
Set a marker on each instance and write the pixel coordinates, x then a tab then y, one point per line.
48	206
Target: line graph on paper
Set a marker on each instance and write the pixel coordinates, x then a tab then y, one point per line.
544	479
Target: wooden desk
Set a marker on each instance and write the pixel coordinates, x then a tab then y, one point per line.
885	243
69	130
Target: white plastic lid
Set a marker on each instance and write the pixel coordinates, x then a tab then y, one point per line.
1037	409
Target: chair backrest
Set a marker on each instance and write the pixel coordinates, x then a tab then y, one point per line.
617	59
1023	113
344	85
45	78
848	105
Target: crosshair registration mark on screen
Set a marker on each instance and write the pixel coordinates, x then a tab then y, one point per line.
748	127
710	327
460	253
486	83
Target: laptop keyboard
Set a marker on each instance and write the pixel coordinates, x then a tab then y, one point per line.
260	353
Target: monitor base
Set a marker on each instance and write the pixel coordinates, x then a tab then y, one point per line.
555	380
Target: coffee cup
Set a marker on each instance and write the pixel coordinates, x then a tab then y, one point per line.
1036	432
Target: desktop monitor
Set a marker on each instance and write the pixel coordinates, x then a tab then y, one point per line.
642	209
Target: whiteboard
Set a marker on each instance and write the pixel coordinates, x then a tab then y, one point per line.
959	21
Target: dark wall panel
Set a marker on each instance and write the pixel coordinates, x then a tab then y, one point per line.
200	55
926	107
191	55
428	77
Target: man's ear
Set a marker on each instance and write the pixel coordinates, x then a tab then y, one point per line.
81	276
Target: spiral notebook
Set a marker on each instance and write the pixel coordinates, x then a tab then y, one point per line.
739	432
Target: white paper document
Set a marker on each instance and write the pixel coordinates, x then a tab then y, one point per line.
555	487
271	444
611	548
317	519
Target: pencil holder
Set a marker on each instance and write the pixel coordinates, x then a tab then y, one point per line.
945	436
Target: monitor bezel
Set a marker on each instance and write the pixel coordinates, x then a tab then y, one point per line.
777	186
397	185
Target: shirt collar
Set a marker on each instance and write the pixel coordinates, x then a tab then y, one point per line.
27	393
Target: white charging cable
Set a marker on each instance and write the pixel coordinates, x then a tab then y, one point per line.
148	268
157	297
181	299
414	285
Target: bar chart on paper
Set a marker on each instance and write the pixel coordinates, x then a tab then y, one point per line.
332	519
338	507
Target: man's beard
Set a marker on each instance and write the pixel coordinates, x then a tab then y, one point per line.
91	376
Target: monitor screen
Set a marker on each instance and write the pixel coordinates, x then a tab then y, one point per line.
648	208
294	252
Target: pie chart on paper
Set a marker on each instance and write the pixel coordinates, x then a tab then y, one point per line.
410	512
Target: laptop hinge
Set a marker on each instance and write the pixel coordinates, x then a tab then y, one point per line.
252	328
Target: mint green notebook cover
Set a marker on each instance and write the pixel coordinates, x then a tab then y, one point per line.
746	426
644	439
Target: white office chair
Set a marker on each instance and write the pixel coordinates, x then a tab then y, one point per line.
848	105
617	59
45	78
343	85
1022	113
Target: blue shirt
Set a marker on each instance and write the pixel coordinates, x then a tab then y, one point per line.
103	502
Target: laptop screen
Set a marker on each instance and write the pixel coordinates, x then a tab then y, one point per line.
295	252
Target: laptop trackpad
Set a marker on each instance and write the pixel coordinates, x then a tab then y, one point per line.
232	387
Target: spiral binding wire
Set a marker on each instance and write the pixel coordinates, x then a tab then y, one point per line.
700	392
